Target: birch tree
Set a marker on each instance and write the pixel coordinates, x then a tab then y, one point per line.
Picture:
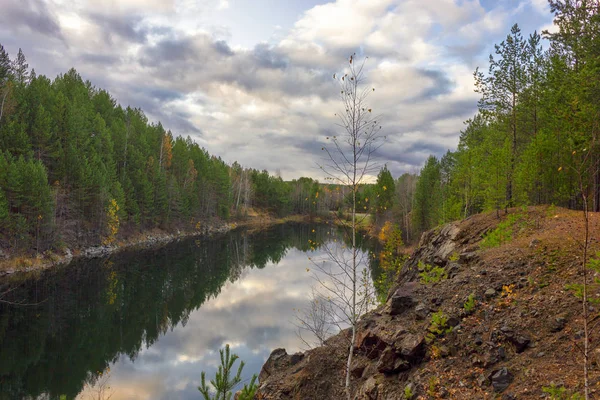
341	275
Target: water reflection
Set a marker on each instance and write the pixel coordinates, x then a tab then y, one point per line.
157	318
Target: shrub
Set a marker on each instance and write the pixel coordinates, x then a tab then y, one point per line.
438	327
430	273
560	393
224	382
408	393
502	234
470	304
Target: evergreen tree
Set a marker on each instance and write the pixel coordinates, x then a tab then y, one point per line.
20	68
5	65
385	189
426	213
501	90
224	382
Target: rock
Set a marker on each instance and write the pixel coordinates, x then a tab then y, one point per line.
421	311
452	269
501	353
482	380
444	351
489	293
558	324
369	344
97	252
453	321
277	360
390	362
520	342
357	370
296	358
412	347
368	390
534	243
501	379
468	257
402	299
506	329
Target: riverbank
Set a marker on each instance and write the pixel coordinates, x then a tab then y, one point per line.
11	264
497	323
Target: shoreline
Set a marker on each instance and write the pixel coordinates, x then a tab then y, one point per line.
18	264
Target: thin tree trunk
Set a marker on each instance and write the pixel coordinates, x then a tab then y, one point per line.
2	106
585	294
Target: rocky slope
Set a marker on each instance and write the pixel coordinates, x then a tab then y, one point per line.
523	333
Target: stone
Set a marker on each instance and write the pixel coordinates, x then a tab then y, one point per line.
412	347
277	360
506	329
501	379
489	293
467	257
482	380
357	370
558	324
501	353
387	361
452	269
520	342
534	243
369	344
296	358
421	311
402	299
368	390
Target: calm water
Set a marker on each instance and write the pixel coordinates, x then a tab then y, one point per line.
151	321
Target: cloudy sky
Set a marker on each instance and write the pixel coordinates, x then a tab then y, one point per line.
251	80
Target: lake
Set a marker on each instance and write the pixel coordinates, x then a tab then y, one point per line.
144	324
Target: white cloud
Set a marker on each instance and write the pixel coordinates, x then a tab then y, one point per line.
271	106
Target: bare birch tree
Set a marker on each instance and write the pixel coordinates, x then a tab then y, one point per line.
342	275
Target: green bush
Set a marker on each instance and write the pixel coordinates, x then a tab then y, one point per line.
503	233
470	304
224	383
438	327
560	393
430	273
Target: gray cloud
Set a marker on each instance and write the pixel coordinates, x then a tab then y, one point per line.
32	14
271	105
223	48
127	27
100	59
266	57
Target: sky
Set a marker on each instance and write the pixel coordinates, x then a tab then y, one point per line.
251	80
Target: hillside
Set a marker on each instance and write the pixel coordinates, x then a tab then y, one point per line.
522	334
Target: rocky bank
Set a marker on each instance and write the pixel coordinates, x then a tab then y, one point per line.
520	331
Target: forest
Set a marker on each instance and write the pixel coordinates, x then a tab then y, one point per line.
78	168
535	138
